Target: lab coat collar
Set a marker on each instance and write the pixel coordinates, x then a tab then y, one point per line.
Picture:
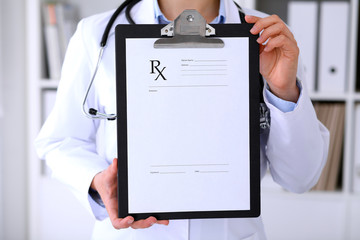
143	13
232	12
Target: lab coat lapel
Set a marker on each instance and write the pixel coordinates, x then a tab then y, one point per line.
232	12
143	12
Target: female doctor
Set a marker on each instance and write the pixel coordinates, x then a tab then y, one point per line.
81	151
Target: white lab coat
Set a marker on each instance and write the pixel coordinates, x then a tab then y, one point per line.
76	148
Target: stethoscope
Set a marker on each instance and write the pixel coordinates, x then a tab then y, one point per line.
128	5
91	112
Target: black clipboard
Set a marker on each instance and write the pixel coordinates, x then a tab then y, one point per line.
124	32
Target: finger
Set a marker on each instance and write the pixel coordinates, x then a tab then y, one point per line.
163	222
110	180
113	213
273	31
120	223
111	205
282	42
251	18
114	166
261	48
145	223
262	23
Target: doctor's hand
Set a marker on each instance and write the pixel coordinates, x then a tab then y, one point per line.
279	55
105	183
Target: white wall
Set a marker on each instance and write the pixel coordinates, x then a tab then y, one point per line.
13	157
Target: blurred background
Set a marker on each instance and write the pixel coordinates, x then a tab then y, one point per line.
33	39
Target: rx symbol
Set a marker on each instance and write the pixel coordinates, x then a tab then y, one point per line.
155	64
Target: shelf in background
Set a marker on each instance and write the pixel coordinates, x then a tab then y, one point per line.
333	97
357	97
49	83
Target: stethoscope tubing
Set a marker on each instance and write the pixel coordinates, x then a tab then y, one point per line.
91	112
127	5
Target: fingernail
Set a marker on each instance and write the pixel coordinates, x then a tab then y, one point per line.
130	221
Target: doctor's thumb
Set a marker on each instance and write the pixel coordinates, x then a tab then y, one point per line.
113	166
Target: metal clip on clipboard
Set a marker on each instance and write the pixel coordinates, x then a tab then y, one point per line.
189	30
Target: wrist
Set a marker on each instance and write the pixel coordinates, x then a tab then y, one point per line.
93	184
288	93
96	197
93	190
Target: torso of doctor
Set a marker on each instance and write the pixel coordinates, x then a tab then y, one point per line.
77	148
